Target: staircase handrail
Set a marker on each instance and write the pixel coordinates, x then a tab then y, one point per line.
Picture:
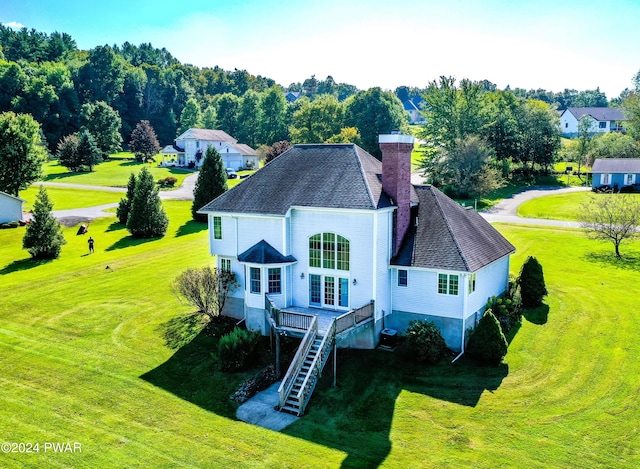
310	380
298	361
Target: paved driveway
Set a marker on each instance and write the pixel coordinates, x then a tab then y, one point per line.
507	209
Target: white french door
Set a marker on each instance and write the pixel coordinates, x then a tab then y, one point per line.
328	291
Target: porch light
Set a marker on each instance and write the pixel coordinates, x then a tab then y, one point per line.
355	282
302	275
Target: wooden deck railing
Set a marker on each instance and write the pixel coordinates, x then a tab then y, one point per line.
298	360
290	319
354	317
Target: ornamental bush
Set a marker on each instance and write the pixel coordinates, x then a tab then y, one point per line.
424	342
487	343
507	307
531	282
235	349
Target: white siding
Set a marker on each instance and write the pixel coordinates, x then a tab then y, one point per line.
421	294
491	280
357	227
10	209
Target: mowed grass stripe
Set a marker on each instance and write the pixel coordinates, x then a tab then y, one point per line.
77	340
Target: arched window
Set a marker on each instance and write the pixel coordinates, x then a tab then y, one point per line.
329	251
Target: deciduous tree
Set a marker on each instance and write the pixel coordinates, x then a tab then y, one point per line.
273	125
611	217
43	237
67	153
191	116
212	182
374	112
276	150
22	152
144	142
104	123
206	289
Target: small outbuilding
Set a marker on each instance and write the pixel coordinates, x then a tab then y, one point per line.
10	208
616	174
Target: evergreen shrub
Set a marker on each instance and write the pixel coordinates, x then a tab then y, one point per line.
235	349
424	342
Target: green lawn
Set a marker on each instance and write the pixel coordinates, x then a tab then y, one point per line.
64	199
559	207
114	173
83	360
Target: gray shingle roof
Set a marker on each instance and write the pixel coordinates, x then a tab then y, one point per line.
331	176
616	165
450	237
244	149
264	253
598	113
208	134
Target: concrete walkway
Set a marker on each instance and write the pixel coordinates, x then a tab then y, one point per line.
261	410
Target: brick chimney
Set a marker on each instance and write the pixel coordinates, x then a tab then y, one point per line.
396	181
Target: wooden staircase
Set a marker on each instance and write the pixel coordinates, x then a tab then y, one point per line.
292	403
314	349
305	370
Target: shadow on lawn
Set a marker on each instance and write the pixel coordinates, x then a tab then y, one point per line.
630	262
193	373
191	227
356	416
115	226
538	315
23	264
130	241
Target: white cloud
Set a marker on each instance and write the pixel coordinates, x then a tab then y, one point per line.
13	25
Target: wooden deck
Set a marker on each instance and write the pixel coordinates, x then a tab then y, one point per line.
324	315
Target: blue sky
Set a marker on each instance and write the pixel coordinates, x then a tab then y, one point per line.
528	44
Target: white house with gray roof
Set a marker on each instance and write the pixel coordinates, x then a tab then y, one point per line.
329	228
190	147
602	120
331	244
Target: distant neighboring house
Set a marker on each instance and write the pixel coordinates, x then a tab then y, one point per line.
603	120
190	147
292	96
615	172
10	208
413	109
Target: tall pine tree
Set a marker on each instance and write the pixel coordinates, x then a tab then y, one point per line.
147	218
88	152
212	182
124	207
43	238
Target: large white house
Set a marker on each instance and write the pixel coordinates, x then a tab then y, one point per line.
190	147
601	120
327	229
